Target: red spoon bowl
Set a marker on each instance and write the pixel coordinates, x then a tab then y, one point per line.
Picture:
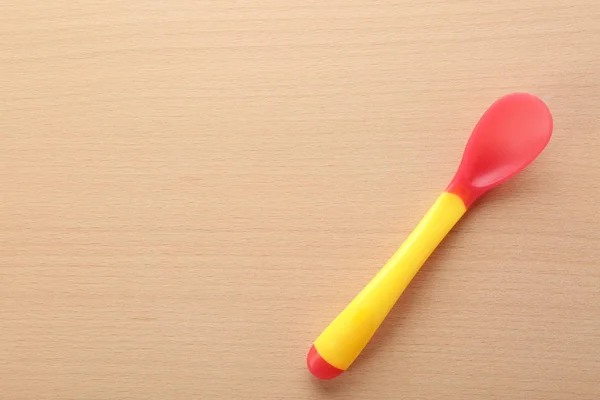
508	137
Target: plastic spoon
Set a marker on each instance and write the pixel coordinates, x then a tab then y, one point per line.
507	138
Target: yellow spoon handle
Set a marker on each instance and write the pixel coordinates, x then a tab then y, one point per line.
343	340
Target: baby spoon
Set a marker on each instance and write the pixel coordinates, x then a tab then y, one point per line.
507	138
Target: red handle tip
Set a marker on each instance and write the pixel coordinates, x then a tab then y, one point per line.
319	367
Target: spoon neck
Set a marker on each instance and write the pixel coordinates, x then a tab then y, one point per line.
467	192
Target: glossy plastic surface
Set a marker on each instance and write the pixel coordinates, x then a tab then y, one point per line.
343	340
507	138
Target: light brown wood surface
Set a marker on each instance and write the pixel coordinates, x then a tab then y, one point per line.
191	190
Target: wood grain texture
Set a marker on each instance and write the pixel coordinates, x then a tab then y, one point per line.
191	190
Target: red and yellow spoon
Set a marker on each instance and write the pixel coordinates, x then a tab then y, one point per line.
507	138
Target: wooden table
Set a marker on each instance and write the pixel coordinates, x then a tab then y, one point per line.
191	190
